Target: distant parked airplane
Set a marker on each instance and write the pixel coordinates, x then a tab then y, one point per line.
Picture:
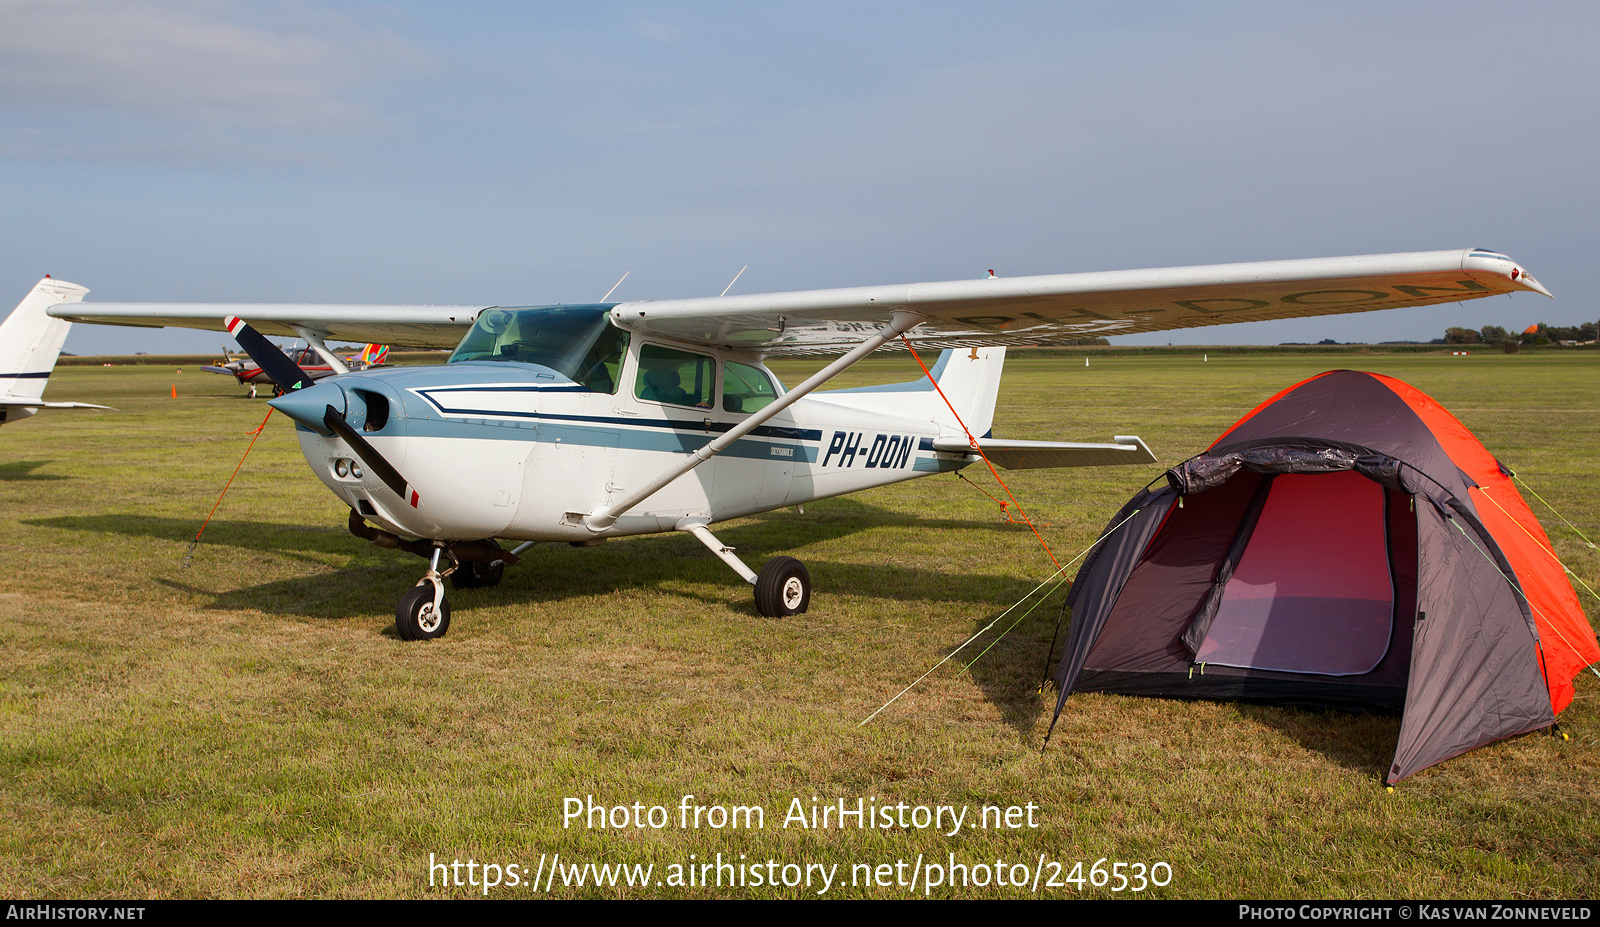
249	373
30	342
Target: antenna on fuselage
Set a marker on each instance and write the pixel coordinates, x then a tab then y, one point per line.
615	285
733	281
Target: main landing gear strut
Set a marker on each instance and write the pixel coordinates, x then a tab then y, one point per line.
783	587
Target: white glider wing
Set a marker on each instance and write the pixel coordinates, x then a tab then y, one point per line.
1014	310
1024	310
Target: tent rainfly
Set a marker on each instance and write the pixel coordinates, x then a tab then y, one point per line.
1348	544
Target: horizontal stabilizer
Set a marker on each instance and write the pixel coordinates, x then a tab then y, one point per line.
1038	455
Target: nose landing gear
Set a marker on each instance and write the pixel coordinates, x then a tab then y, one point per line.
424	613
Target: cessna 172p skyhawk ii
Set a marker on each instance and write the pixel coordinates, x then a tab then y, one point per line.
580	423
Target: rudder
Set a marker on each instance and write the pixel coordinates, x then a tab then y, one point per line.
970	379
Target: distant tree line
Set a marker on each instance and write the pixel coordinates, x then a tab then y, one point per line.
1534	335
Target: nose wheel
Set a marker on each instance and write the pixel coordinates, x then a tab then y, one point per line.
424	613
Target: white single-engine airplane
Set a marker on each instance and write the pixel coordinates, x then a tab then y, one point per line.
586	422
30	343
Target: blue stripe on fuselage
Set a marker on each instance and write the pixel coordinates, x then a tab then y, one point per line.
764	431
629	437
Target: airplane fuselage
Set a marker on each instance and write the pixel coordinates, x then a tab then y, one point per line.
519	451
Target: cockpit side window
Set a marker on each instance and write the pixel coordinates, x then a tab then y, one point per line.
602	365
679	378
745	388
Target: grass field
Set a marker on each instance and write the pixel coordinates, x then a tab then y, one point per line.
251	727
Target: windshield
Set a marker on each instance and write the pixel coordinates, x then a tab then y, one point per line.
578	342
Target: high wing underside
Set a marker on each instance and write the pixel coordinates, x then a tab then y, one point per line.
396	326
1014	311
1029	310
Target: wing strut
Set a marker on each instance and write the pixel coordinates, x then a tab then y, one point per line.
900	322
314	338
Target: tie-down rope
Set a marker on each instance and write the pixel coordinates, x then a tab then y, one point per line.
1056	577
973	443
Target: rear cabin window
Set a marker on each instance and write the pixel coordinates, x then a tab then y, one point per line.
746	388
678	378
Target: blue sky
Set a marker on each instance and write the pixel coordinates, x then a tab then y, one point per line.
528	153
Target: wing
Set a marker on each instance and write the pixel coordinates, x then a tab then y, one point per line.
1031	310
401	326
1015	310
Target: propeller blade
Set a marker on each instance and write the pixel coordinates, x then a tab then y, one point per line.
288	375
277	365
369	455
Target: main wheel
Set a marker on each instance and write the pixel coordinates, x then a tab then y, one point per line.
475	575
471	575
415	619
783	588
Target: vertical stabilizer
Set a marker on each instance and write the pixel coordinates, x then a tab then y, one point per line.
970	379
30	340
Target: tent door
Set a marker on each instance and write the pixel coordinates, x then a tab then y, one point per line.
1312	591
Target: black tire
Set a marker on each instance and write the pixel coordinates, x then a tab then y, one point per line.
783	588
414	619
478	575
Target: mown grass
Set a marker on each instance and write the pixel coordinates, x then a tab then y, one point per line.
250	726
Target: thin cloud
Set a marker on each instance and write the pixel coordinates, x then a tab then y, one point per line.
201	62
651	31
209	146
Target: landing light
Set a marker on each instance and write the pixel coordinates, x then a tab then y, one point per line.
341	468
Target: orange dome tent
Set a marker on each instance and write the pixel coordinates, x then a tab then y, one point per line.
1347	544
